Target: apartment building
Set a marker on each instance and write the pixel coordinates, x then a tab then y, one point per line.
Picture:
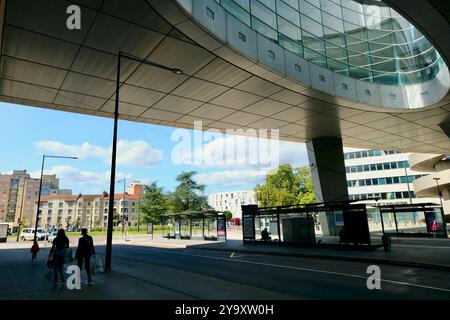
231	201
89	211
18	194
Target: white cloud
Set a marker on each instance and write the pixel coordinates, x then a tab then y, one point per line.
226	151
82	181
231	177
135	153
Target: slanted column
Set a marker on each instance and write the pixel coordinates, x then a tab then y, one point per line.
326	160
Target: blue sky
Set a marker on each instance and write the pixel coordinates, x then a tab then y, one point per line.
146	152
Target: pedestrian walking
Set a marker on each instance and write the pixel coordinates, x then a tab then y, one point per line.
84	253
34	250
58	254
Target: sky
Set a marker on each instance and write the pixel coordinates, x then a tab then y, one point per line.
146	152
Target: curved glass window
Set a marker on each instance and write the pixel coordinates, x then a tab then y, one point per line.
369	42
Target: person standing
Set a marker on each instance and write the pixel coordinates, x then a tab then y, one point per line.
34	250
58	254
84	252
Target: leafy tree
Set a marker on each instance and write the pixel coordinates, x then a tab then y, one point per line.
154	203
228	214
186	196
286	186
116	217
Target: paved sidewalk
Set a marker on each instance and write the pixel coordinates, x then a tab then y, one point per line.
413	253
22	279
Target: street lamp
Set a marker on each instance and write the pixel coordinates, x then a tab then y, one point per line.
40	188
123	204
439	192
21	207
114	148
407	183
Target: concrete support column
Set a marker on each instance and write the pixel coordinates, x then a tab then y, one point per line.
326	159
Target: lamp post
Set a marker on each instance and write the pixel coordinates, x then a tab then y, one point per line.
139	209
439	192
123	204
407	183
40	189
121	55
19	223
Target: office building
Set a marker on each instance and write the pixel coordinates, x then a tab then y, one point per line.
382	175
231	201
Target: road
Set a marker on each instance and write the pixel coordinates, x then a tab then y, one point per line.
201	274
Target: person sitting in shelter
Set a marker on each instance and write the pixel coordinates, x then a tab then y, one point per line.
265	235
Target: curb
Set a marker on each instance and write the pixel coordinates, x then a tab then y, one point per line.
334	257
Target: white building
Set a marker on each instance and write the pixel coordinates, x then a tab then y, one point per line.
231	201
384	175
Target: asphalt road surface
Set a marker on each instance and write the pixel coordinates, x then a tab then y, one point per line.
201	274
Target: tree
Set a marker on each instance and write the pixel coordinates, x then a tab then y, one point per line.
154	203
228	214
286	186
116	217
186	196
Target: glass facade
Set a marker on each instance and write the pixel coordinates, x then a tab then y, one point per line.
369	42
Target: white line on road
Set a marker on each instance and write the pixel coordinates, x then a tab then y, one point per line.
306	269
419	246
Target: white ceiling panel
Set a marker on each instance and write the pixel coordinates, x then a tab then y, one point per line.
219	71
32	73
199	90
140	96
26	91
155	78
259	86
124	108
211	111
235	99
113	35
153	113
89	85
177	104
182	55
34	47
79	100
240	118
267	107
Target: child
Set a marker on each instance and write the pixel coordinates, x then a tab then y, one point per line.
34	250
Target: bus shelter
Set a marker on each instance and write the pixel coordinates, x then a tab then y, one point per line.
412	220
195	225
293	225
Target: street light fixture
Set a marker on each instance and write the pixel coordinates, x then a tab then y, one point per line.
123	205
439	192
121	54
40	189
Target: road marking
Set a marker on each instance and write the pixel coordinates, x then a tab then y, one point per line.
232	255
419	246
305	269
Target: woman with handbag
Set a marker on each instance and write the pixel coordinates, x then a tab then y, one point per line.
57	255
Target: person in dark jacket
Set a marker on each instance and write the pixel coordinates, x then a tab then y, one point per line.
58	254
34	250
84	252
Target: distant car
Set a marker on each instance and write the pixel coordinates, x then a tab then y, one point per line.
28	234
52	236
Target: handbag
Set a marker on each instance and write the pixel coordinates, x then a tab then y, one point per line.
98	265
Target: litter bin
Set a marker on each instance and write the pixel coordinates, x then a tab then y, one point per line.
386	243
